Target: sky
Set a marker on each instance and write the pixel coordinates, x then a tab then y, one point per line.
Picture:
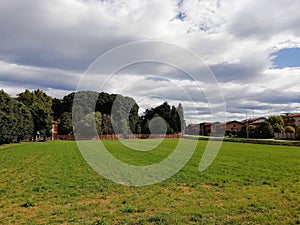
250	47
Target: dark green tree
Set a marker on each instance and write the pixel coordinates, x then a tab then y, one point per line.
277	123
170	115
40	105
252	131
91	101
65	124
181	121
297	132
89	126
106	124
15	119
265	130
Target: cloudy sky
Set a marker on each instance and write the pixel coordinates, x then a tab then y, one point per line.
251	47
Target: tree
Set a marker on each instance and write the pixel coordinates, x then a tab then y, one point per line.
289	129
98	122
89	125
157	125
106	124
57	108
172	117
91	101
174	120
40	105
181	121
15	119
24	124
252	131
298	131
65	124
277	123
265	130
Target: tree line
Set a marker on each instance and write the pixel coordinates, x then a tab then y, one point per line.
267	129
31	113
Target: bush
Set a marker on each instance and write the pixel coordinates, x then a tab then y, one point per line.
290	130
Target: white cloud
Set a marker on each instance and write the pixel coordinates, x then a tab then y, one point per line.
48	44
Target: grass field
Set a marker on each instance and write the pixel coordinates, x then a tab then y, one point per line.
50	183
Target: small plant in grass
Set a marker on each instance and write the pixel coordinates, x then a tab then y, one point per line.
27	204
128	208
99	222
158	219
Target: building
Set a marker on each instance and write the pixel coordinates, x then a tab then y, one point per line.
192	129
54	130
254	121
218	129
205	128
291	119
234	126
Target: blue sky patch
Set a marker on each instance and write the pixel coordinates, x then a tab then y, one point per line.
181	16
288	57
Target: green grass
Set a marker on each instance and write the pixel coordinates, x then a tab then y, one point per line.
50	183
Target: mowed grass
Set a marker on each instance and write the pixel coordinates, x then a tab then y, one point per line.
50	183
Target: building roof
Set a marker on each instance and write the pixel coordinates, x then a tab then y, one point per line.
206	123
233	121
252	120
292	115
193	125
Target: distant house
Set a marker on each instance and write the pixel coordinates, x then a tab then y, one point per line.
254	121
234	126
291	119
205	128
218	129
54	130
193	129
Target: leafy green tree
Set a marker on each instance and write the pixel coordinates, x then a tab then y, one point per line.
40	105
181	121
89	125
157	125
173	118
124	115
138	128
252	131
25	124
277	123
145	127
15	119
98	122
65	124
298	132
106	124
265	130
91	101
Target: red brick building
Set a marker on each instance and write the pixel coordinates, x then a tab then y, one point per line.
234	126
54	130
291	119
